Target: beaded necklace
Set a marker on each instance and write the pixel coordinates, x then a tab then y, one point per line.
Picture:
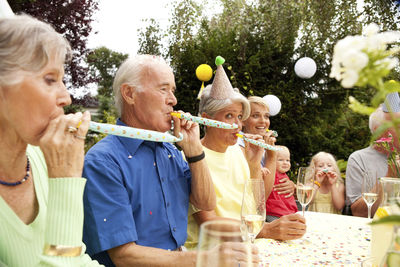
28	167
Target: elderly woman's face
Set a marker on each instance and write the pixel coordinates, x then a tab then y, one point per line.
28	107
231	114
258	122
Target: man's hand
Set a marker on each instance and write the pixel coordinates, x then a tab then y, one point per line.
285	187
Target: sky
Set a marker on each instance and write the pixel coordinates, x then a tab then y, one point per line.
117	22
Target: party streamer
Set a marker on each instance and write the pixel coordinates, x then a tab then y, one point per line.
204	121
258	143
133	132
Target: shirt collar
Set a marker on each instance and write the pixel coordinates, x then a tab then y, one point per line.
132	144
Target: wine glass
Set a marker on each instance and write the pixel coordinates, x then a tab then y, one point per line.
222	243
305	186
370	189
253	207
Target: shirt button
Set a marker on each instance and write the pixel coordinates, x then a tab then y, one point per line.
162	180
174	229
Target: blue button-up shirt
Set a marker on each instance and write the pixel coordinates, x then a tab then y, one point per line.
136	191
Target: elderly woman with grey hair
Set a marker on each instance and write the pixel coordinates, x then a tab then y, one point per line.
41	208
230	167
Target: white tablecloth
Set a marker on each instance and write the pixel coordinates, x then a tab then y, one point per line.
330	240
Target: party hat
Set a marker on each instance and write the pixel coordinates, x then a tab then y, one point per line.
392	103
221	87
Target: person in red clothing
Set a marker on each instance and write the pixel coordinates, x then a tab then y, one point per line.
280	203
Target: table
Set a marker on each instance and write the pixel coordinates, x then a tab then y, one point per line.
330	240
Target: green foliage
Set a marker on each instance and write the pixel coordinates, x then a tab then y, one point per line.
261	41
103	64
150	38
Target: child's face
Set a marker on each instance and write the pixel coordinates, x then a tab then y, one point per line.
324	163
283	161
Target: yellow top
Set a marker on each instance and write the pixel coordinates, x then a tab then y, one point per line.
323	203
229	172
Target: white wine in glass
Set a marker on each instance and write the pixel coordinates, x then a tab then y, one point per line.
305	186
370	189
253	207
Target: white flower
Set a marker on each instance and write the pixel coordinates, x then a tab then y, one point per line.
389	37
354	60
350	77
371	29
388	63
349	42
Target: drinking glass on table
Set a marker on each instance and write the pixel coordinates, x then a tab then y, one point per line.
222	243
253	212
305	186
370	189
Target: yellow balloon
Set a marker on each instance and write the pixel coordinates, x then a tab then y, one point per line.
204	72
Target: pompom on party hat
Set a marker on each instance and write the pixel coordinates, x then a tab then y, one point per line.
204	74
221	87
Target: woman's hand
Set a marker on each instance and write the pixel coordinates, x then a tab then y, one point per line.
285	186
252	152
63	148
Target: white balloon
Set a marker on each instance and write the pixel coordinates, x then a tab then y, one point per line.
305	67
273	103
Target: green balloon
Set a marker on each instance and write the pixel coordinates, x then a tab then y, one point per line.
219	60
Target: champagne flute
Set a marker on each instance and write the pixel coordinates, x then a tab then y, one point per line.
253	212
370	189
305	186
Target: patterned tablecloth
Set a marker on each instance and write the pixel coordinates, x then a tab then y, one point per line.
330	240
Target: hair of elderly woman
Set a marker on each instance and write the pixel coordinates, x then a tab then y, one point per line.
131	72
26	45
258	100
211	106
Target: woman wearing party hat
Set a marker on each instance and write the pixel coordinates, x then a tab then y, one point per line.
229	166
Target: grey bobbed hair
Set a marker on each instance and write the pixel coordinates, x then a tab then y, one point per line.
211	106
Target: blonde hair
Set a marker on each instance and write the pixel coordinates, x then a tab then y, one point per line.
258	100
26	45
131	72
315	158
211	106
282	148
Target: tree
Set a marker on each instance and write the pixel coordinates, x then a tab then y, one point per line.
71	18
261	41
103	64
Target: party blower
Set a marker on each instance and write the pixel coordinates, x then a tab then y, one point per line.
204	121
258	143
131	132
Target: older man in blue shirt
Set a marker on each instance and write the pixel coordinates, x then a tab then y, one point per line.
137	193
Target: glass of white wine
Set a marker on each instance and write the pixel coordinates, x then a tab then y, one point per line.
305	186
253	207
370	189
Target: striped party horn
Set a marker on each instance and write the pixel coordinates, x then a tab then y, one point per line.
131	132
258	143
204	121
274	133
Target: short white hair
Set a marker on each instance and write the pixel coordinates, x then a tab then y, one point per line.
211	106
26	45
376	119
131	72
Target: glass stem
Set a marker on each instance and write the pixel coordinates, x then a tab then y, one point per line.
303	208
369	211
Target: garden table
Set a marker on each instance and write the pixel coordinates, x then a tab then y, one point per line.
330	240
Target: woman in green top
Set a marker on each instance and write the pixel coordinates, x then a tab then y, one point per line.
42	150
